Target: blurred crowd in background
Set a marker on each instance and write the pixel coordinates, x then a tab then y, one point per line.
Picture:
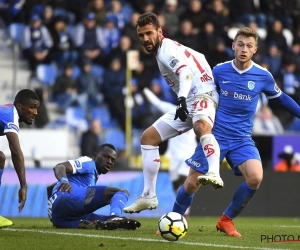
87	41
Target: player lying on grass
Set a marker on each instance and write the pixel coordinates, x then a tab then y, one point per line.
73	199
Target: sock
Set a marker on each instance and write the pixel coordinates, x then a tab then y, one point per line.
1	173
151	164
240	199
211	150
183	201
187	212
117	203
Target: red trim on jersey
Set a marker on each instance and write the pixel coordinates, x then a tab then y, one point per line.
179	69
211	120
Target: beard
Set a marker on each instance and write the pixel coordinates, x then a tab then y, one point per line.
154	47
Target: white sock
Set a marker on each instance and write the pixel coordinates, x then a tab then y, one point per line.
187	212
151	164
212	153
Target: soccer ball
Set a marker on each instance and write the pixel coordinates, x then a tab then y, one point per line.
172	226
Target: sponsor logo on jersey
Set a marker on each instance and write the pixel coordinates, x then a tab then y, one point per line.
194	163
251	85
173	62
13	126
226	81
236	95
78	164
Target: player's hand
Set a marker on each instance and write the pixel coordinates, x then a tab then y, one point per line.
181	110
22	197
65	187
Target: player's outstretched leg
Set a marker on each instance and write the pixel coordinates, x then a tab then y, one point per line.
151	164
226	225
211	151
142	203
5	222
118	222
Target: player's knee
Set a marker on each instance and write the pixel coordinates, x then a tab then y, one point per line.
2	160
201	127
146	139
254	181
150	137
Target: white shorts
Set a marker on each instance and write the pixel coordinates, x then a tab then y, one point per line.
200	107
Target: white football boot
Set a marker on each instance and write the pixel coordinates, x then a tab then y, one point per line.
142	203
214	180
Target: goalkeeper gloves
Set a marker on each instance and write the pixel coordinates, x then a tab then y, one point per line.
181	110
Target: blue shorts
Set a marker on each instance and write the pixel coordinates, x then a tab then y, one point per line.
68	209
235	151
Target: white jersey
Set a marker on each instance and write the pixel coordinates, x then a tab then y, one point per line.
173	58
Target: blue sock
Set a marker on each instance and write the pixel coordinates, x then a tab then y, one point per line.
240	199
1	172
117	203
183	201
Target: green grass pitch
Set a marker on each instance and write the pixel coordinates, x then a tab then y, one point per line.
257	233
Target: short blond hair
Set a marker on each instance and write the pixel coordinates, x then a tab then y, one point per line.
246	32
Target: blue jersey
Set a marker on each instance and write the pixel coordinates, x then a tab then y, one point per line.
239	94
84	173
9	119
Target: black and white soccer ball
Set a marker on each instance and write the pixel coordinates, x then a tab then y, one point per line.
172	226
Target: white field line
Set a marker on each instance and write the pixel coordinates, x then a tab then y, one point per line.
289	226
139	239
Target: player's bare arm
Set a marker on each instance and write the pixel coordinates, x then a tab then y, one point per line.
60	171
18	162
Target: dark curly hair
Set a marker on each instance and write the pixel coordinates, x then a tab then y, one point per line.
147	18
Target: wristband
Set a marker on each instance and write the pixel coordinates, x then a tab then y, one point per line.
64	179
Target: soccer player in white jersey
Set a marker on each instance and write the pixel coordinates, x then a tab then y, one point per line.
189	75
24	109
240	83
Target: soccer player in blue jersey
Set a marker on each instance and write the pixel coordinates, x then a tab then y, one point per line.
24	109
73	199
240	83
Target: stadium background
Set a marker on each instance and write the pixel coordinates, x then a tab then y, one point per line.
59	140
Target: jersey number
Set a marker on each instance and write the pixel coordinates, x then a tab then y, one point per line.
201	105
